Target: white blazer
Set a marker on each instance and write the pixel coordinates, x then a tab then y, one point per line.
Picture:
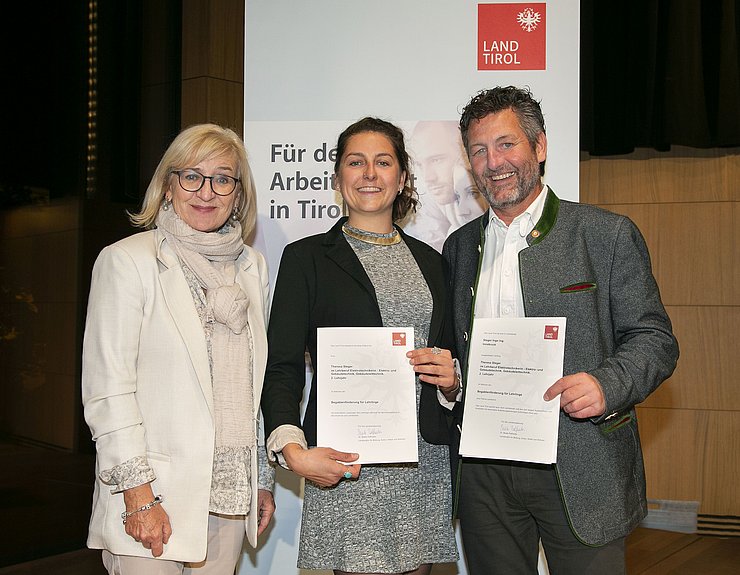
146	388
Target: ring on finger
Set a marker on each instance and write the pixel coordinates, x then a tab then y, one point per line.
347	475
436	350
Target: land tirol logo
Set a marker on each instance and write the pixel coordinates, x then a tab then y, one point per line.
398	338
551	332
512	36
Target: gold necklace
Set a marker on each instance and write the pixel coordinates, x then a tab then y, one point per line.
385	240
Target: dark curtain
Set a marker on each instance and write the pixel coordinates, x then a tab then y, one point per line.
656	73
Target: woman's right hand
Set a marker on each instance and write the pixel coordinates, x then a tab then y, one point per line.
322	465
152	527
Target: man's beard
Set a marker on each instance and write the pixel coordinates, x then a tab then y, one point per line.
527	181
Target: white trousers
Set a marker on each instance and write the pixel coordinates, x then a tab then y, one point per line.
225	541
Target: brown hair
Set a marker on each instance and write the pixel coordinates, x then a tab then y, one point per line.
518	100
405	201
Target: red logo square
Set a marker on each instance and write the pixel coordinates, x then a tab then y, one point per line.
551	332
512	36
399	338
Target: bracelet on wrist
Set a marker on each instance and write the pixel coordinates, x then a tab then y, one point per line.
454	390
457	385
156	501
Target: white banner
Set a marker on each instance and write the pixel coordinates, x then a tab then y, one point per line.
313	68
293	165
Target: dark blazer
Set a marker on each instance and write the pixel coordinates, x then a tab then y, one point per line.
321	283
592	267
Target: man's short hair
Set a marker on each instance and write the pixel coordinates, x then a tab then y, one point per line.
495	100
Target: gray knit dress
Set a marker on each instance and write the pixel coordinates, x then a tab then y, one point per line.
395	517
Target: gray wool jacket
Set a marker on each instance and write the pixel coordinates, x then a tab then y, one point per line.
592	267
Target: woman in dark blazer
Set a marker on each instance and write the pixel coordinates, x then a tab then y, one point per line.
390	518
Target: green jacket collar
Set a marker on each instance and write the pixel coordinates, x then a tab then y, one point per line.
540	230
547	220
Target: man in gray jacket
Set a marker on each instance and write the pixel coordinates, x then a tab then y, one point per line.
533	254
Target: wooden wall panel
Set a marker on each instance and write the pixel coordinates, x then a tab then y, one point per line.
38	257
213	39
673	442
43	408
691	455
160	130
213	100
721	466
694	249
213	63
686	202
706	376
58	216
647	176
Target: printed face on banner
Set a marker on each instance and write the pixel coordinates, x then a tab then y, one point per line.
505	167
448	197
512	36
437	149
470	202
369	178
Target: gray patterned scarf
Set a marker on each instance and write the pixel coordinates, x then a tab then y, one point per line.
211	256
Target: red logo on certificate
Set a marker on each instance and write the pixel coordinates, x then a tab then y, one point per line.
512	36
551	332
399	338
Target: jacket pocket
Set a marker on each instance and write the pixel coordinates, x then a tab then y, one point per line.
578	287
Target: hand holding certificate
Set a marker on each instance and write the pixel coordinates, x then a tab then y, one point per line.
512	363
366	393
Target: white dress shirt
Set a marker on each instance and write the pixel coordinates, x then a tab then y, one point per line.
499	286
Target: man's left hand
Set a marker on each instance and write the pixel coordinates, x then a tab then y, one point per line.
581	395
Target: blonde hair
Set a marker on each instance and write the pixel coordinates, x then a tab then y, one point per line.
192	146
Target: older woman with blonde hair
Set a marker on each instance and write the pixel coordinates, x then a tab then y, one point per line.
173	362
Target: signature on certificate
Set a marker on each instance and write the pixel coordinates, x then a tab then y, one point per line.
369	430
511	428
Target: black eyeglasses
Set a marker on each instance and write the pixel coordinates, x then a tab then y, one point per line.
192	181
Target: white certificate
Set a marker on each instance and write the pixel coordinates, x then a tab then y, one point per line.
512	363
366	393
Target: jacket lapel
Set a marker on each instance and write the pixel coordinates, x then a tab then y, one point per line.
179	302
435	281
339	251
547	220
